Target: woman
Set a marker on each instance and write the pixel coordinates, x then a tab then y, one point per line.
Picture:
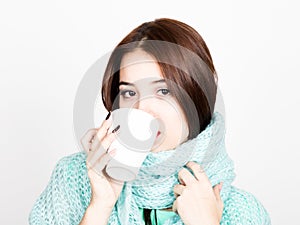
162	67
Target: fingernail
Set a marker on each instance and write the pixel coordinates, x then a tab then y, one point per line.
116	129
108	115
220	186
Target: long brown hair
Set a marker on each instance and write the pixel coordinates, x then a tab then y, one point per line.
195	75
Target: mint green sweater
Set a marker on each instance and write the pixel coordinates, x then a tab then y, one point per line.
68	194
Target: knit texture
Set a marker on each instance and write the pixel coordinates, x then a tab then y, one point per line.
68	193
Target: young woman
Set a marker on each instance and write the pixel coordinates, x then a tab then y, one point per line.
162	67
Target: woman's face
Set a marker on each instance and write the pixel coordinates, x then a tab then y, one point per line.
143	87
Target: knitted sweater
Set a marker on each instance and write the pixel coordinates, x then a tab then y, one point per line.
68	193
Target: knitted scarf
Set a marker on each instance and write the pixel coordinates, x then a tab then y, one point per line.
68	193
153	188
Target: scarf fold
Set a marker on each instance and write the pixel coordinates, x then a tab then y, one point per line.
153	187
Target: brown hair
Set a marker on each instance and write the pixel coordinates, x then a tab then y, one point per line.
198	80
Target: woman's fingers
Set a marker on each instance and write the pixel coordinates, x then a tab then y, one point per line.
178	189
102	148
103	161
104	128
196	192
217	190
101	133
198	171
92	137
174	206
185	177
87	138
109	138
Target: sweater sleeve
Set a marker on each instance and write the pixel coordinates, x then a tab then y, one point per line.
66	196
243	208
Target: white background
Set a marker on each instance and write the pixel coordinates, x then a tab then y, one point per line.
47	46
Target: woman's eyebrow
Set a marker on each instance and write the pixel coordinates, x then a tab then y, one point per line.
125	83
131	84
158	81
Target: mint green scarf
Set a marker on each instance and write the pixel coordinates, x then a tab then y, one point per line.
68	193
153	187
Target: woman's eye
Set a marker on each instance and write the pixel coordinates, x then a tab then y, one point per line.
128	93
163	91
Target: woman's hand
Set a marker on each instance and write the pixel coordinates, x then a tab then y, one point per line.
105	190
197	203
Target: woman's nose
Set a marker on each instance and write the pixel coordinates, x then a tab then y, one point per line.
146	104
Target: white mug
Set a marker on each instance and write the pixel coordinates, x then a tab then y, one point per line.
135	138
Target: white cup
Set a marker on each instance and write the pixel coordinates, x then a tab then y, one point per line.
135	138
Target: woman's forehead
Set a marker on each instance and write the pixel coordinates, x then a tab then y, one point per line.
136	56
139	65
